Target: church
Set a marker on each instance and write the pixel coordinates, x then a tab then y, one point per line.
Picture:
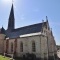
37	39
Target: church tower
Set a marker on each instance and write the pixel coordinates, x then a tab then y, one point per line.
11	24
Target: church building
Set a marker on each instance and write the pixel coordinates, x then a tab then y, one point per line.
35	39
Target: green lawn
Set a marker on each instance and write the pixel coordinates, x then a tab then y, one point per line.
4	58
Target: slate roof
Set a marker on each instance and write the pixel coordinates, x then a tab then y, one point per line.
24	30
2	30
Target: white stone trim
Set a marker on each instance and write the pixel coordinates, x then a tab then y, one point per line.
31	34
7	38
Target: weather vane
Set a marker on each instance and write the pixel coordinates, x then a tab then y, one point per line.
12	1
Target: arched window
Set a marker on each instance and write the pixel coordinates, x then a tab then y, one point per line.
33	46
11	46
21	46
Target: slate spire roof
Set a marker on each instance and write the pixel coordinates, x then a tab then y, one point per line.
2	31
11	19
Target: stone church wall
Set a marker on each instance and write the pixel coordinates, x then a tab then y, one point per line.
9	48
44	49
43	45
2	36
27	45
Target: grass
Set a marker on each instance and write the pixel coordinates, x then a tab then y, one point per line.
4	58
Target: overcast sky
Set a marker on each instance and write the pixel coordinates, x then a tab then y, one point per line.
29	12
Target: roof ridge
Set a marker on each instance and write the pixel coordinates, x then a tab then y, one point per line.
28	26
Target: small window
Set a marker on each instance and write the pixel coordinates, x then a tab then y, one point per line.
11	47
21	46
33	46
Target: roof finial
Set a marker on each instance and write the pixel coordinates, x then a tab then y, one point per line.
12	1
2	26
46	19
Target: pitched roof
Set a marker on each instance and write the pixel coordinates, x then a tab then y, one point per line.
2	30
24	30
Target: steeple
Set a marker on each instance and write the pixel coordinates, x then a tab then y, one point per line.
11	19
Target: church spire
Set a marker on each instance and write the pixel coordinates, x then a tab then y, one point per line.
11	19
